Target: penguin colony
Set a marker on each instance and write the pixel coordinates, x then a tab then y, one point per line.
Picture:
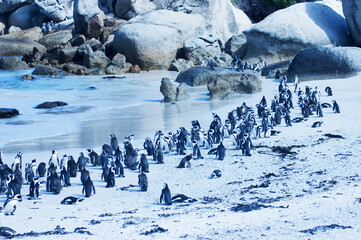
240	125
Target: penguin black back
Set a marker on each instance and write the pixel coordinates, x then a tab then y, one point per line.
144	165
72	168
166	195
111	178
143	182
88	188
42	169
64	176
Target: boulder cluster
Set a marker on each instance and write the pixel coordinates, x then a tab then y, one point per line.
122	36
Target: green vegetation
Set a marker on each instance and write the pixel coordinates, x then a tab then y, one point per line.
281	3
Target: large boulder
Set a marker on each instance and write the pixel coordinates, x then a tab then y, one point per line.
21	43
10	5
8	112
47	105
76	69
41	69
169	90
67	55
352	12
218	88
25	17
180	65
222	18
84	10
325	63
236	45
95	59
201	48
56	10
3	23
95	25
56	39
128	9
153	41
281	35
149	46
13	63
182	92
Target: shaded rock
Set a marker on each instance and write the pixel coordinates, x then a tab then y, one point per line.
112	69
32	58
325	63
78	40
95	59
41	69
119	60
47	105
352	12
25	17
256	10
201	49
95	25
56	39
93	43
218	88
122	7
27	77
284	33
21	43
75	69
139	7
180	65
236	45
67	55
55	10
249	82
182	92
8	6
134	69
84	10
3	23
149	46
13	63
8	112
169	90
97	72
270	70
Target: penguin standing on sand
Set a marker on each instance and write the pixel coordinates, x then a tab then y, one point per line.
335	107
149	146
106	170
57	187
88	188
84	174
166	196
158	155
113	142
54	158
1	157
111	178
93	156
144	165
10	204
143	182
34	191
81	161
221	151
196	150
64	161
185	162
41	169
72	168
65	177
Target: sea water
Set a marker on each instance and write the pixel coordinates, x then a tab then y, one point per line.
131	104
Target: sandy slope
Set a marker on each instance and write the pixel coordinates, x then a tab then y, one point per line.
314	189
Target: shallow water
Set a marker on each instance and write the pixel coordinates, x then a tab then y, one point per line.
119	106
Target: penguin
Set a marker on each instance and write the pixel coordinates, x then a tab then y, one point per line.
72	167
15	184
335	107
7	232
149	146
88	188
50	183
158	155
105	173
216	174
143	182
71	200
278	116
57	187
82	160
51	169
166	196
63	162
103	160
144	165
246	145
84	174
113	142
221	151
29	173
41	169
185	162
118	154
317	124
196	150
288	119
65	177
128	159
328	90
180	198
111	178
10	204
119	169
54	158
135	165
107	149
93	156
34	190
1	157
